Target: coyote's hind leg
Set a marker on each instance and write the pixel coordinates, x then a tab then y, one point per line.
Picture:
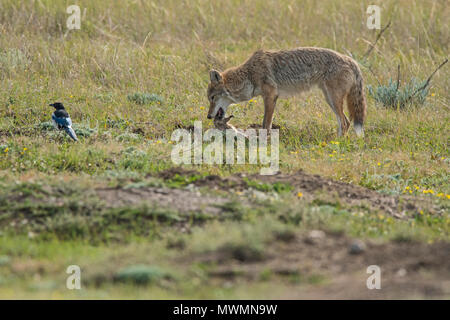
336	101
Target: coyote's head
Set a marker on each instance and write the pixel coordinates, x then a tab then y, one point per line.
218	96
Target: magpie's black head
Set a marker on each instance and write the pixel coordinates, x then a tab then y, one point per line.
57	105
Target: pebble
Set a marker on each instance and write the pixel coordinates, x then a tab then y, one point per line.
315	236
401	272
357	247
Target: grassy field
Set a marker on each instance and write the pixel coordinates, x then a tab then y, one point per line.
115	204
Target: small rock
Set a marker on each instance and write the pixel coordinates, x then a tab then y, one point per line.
259	195
315	236
401	272
410	206
357	247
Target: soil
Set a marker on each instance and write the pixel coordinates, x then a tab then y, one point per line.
335	270
314	187
327	265
180	200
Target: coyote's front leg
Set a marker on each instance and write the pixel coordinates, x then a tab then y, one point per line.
270	96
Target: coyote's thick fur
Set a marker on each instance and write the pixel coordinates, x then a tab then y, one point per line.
274	74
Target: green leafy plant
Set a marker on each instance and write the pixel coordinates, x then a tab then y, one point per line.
414	92
82	130
128	137
144	98
391	96
277	187
140	274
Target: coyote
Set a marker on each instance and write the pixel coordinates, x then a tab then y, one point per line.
274	74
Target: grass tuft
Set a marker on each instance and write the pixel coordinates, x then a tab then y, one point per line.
392	96
141	275
145	98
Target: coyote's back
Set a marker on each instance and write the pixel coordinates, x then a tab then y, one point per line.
338	76
275	74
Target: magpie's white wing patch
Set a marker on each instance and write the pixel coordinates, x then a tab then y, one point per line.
65	122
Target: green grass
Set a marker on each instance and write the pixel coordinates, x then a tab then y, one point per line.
266	187
128	81
113	268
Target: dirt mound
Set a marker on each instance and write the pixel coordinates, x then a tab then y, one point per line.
314	187
408	269
348	193
172	172
179	200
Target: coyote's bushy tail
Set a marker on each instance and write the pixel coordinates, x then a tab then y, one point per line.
356	102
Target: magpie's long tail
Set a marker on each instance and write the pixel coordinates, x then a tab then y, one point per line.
71	133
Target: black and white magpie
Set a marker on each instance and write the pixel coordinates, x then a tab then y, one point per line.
61	120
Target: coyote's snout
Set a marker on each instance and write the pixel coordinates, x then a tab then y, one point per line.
274	74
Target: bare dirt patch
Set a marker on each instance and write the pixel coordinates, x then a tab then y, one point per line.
408	269
315	187
350	194
179	200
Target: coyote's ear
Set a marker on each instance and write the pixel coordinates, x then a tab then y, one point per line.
215	76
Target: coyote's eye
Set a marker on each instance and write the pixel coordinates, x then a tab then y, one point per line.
213	98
